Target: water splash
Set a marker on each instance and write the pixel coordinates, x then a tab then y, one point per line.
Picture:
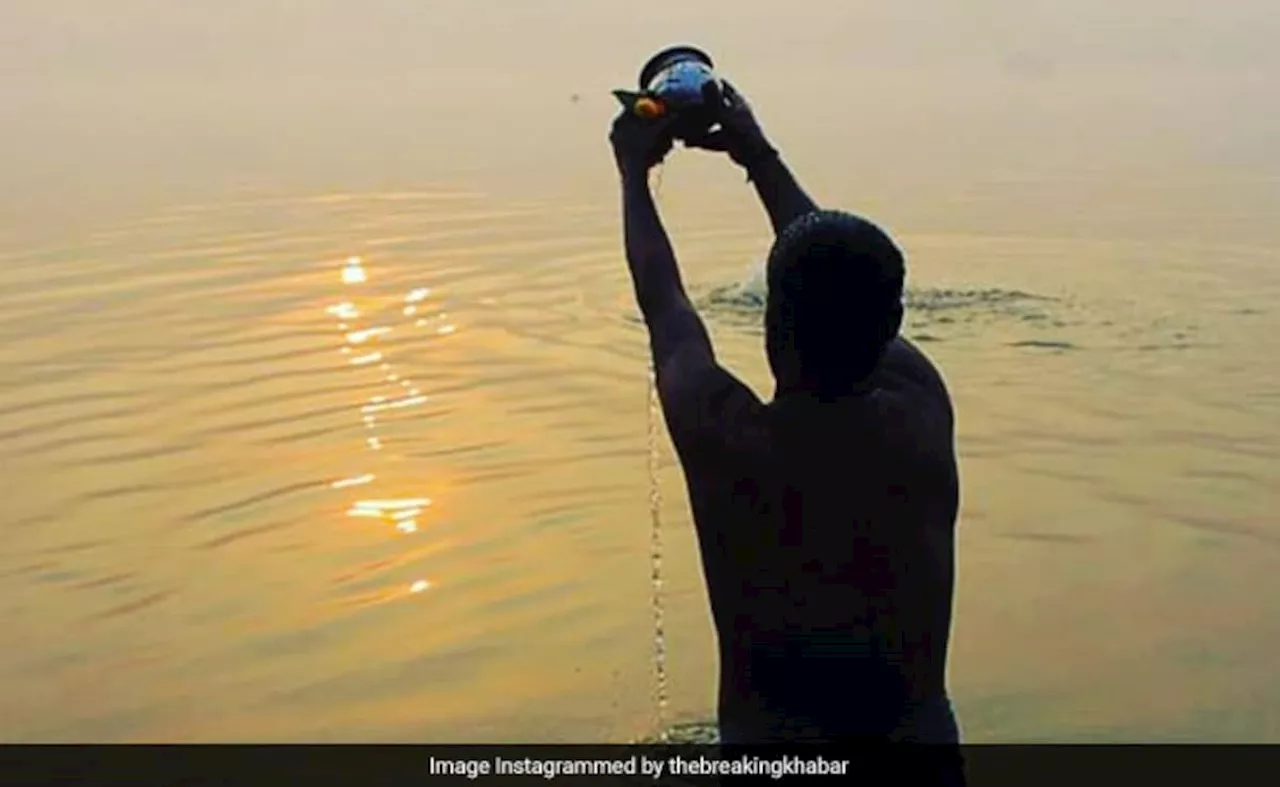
933	314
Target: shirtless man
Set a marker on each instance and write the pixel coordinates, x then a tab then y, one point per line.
825	517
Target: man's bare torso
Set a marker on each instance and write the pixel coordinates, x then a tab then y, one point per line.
827	539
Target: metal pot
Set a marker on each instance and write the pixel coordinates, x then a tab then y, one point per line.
679	80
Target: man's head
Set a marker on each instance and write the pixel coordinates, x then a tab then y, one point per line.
835	302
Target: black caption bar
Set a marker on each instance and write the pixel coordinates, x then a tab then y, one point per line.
893	766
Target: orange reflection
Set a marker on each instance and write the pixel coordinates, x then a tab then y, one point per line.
360	344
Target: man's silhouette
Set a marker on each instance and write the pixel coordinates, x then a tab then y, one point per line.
826	517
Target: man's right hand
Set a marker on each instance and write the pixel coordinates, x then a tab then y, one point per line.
740	136
739	133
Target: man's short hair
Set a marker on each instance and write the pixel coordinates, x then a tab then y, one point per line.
835	296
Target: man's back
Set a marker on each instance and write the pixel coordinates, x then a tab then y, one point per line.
827	536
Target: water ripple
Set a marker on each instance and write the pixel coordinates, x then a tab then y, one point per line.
132	607
236	506
248	532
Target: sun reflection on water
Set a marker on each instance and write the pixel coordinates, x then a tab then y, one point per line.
359	342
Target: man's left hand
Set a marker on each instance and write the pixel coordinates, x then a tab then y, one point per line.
639	144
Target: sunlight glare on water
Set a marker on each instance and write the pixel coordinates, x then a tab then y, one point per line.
401	513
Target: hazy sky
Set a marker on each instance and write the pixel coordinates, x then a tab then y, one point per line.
288	39
112	96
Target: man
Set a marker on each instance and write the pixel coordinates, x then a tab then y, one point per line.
826	517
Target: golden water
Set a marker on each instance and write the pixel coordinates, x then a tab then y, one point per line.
323	411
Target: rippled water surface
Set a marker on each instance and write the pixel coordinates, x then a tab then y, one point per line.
362	466
365	456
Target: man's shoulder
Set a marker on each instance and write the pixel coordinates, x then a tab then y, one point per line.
908	372
914	398
705	404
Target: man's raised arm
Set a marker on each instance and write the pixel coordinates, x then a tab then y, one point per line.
742	138
677	337
676	332
782	197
